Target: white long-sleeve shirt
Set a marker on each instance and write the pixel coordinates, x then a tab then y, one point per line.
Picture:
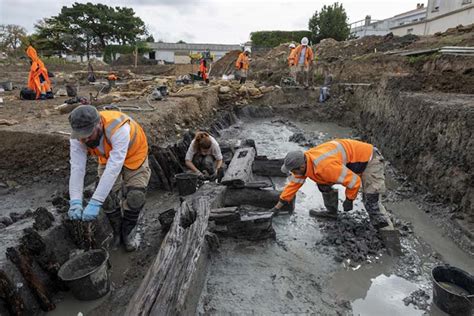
215	150
119	141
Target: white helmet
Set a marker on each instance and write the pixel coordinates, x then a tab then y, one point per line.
304	41
247	50
292	45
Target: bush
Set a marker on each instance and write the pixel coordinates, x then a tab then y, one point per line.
275	38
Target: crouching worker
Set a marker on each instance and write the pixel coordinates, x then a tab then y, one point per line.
121	147
204	157
343	161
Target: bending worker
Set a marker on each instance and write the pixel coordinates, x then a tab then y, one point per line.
242	65
38	79
292	61
122	151
204	156
342	161
304	60
203	70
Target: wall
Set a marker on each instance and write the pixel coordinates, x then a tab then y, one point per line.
416	28
442	23
445	6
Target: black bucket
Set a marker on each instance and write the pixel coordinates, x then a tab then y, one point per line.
87	274
186	182
453	290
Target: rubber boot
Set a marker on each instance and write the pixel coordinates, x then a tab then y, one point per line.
371	202
330	202
129	229
115	219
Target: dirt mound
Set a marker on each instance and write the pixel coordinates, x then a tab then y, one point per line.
225	65
129	59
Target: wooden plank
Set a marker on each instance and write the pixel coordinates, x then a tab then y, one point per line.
168	285
255	197
239	171
262	166
224	215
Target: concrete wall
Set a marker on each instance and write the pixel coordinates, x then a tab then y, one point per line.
442	22
416	28
445	6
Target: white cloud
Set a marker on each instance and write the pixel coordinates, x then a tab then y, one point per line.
211	21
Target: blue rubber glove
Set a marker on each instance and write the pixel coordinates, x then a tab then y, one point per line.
75	209
91	211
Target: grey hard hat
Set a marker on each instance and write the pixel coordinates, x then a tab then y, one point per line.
293	160
83	119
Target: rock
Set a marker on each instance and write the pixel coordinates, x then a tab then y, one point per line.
2	226
28	213
5	220
254	91
224	90
61	93
43	219
15	217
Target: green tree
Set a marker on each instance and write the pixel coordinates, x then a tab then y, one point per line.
275	38
11	36
180	42
331	22
84	27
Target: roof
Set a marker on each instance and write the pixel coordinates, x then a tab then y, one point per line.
412	12
198	47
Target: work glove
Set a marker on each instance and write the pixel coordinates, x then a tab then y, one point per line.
91	211
75	209
275	210
347	205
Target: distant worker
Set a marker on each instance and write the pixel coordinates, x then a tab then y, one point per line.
292	61
112	78
204	157
203	70
38	79
121	147
242	65
342	161
304	60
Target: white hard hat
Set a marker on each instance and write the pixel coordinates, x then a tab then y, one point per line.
292	45
247	49
304	41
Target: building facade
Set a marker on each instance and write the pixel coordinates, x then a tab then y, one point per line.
437	16
179	53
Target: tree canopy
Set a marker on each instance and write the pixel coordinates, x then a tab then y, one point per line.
275	38
11	36
85	27
331	22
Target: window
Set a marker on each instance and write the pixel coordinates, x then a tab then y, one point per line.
435	7
409	31
466	1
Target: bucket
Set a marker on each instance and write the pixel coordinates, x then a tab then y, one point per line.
453	290
186	182
87	275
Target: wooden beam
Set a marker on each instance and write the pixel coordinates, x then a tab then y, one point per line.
255	197
262	166
239	171
167	288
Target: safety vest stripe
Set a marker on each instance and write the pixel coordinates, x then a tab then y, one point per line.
343	175
353	181
132	140
100	148
339	148
297	180
113	125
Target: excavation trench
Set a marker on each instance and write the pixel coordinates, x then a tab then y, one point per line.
307	268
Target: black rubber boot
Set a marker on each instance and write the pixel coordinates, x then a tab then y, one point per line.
129	229
371	202
115	219
330	202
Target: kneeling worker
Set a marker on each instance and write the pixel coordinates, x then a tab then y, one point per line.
342	161
122	151
204	156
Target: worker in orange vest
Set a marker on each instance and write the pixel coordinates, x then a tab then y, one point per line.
242	65
121	147
342	161
304	60
203	70
38	79
292	61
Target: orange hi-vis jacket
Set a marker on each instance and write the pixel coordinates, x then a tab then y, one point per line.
137	148
308	56
37	70
339	161
203	70
292	57
244	60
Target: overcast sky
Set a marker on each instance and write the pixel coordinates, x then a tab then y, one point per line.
210	21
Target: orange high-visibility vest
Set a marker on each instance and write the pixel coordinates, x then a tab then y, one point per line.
203	70
137	148
292	57
308	56
37	69
244	59
339	161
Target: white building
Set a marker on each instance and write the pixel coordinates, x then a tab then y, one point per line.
179	53
438	16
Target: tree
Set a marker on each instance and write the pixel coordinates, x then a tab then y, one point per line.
180	42
275	38
150	39
331	22
11	36
85	27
